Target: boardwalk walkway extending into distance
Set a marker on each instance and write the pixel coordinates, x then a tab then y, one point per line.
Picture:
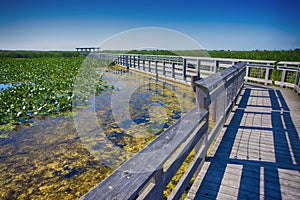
257	154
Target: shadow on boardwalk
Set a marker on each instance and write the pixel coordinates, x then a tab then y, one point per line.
258	155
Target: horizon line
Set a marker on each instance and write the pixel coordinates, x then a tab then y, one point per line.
47	50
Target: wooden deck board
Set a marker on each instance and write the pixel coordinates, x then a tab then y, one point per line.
257	154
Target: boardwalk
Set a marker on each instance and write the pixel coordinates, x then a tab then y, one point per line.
257	154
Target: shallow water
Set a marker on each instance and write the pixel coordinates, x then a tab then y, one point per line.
63	158
5	86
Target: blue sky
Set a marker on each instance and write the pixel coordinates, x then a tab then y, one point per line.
228	25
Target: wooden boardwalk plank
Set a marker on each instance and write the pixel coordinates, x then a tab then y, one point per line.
257	154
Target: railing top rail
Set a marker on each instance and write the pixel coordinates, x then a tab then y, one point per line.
202	58
214	80
289	68
288	63
149	55
231	59
269	65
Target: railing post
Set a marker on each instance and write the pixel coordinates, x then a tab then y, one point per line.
157	192
201	98
213	111
130	63
297	82
133	61
149	69
198	68
127	64
164	68
233	63
267	76
221	103
156	71
173	69
247	72
216	67
197	77
297	77
193	80
184	70
283	76
203	101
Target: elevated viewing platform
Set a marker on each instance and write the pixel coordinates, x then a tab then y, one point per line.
88	49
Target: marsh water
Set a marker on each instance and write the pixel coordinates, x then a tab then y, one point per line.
64	157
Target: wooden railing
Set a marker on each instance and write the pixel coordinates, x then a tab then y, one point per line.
181	69
290	75
187	69
147	174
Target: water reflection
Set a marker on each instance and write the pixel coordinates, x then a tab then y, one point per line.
50	160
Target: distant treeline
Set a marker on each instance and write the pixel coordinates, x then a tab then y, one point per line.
37	54
277	55
153	52
281	55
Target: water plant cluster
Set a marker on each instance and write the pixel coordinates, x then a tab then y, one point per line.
38	87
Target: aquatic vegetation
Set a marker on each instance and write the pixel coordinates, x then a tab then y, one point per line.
39	87
37	54
136	112
3	136
181	171
47	161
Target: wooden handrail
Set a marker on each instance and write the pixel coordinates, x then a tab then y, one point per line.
211	88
